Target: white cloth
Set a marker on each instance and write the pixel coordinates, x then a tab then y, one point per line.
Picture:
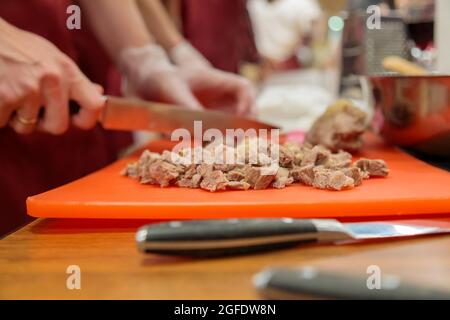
280	25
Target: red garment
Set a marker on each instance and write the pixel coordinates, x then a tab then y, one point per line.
221	31
31	164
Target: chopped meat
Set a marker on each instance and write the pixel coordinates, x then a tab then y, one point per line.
304	174
339	160
257	179
331	180
286	157
238	185
214	180
373	168
340	127
355	173
193	182
323	166
282	179
224	167
162	172
236	174
204	169
316	156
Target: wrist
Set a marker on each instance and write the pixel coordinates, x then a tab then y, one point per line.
136	62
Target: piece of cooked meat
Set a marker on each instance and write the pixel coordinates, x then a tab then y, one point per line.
331	180
339	128
373	168
214	180
162	172
255	177
282	179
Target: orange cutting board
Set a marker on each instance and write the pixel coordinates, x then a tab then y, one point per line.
413	188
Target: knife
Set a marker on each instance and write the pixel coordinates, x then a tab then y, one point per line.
240	236
301	283
135	114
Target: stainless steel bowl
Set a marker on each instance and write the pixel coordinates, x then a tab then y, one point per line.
415	111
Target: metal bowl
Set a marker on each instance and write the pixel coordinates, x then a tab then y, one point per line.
415	111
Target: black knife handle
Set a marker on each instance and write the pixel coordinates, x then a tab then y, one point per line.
280	283
224	237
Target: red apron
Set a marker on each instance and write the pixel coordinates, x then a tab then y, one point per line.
31	164
221	30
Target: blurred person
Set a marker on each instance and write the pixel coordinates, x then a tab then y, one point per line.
282	27
212	87
44	64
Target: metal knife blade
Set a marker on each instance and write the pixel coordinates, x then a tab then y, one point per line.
280	283
238	236
135	114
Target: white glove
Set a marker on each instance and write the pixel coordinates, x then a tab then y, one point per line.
213	88
149	74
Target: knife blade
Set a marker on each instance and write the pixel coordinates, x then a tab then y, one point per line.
300	283
240	236
134	114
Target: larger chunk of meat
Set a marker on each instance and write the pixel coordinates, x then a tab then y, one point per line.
373	168
339	128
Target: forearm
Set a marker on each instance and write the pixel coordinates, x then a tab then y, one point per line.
159	23
117	24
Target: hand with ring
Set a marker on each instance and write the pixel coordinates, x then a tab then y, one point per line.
34	74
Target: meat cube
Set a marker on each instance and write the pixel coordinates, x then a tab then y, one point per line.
316	156
282	179
238	185
163	173
340	127
204	169
331	180
235	175
339	160
304	174
258	180
373	168
355	173
286	157
214	180
193	182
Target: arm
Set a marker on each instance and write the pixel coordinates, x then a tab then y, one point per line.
160	24
119	26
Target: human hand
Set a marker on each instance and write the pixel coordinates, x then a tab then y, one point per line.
213	88
35	74
149	74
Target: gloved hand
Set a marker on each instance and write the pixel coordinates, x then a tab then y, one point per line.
213	88
35	74
149	74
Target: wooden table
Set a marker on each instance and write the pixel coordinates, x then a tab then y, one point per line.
33	263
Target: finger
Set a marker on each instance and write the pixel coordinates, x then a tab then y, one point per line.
56	101
90	98
176	91
245	100
25	116
5	114
8	103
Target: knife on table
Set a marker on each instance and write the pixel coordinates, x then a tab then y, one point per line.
133	114
240	236
301	283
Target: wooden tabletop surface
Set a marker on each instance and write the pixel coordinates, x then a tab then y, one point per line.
34	260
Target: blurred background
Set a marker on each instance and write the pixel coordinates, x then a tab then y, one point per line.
303	54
